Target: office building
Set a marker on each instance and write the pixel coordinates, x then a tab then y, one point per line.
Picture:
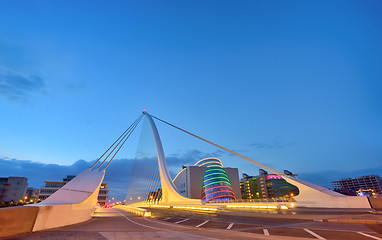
208	180
266	186
103	194
52	186
13	188
360	186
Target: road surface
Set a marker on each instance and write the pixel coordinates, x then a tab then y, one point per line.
115	224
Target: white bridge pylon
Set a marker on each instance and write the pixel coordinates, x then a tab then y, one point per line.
310	195
169	192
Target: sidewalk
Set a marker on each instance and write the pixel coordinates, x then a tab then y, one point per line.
317	215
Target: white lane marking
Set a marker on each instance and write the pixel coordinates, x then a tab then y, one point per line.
370	236
313	233
166	219
266	232
202	223
229	226
138	223
162	229
182	220
169	224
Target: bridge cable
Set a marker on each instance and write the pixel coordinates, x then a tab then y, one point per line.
128	129
156	182
150	173
222	148
126	137
152	180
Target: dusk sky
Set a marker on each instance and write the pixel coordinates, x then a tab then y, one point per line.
294	85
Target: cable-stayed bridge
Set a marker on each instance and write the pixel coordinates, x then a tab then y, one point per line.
76	201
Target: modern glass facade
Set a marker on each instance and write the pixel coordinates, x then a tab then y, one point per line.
266	186
216	184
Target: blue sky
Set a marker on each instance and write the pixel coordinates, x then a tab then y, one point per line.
292	84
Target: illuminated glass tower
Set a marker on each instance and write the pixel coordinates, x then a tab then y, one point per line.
216	185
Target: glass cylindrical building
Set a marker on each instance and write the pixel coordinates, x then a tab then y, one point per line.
216	184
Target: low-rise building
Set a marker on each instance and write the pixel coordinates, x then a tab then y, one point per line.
13	188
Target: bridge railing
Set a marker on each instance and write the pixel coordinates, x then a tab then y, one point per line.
260	200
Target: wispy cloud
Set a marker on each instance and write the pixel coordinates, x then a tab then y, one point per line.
17	87
268	145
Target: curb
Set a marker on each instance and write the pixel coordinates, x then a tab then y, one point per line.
352	221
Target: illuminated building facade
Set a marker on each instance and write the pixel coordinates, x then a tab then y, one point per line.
361	186
52	186
266	186
216	184
208	180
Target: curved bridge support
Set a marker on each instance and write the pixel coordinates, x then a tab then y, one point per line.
312	195
169	192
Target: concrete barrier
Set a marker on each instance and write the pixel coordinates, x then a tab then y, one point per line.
17	220
376	203
73	203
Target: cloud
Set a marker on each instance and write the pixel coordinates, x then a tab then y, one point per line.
271	145
38	172
17	87
74	87
121	171
117	174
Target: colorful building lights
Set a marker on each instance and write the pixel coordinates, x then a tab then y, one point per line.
216	184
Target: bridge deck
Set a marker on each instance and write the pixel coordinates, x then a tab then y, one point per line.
116	224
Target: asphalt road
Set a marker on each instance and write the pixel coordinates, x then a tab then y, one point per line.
275	225
175	224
